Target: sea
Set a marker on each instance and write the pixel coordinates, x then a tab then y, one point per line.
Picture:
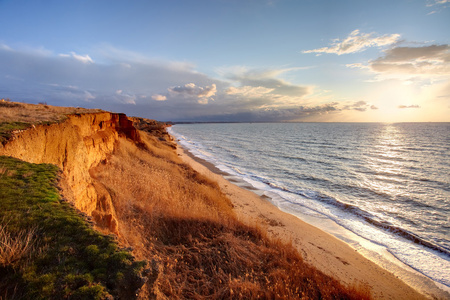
384	188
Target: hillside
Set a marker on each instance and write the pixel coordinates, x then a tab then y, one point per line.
124	175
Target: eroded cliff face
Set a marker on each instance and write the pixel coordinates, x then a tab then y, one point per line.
76	146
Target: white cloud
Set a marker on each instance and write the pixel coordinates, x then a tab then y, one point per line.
208	91
126	98
88	96
411	63
5	47
357	66
158	97
249	91
437	2
263	80
203	94
357	42
86	59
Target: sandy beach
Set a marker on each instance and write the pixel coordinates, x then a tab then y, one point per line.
322	250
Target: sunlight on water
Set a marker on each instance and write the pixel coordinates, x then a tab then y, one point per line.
387	163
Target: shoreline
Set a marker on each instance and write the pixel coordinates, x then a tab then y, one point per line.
329	254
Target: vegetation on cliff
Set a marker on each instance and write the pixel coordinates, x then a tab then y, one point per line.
48	251
7	129
16	116
40	113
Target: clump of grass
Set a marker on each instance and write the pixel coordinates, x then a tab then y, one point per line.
68	258
171	214
14	247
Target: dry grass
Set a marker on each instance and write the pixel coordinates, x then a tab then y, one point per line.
182	221
14	247
35	113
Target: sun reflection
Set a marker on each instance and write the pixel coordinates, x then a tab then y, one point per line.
385	161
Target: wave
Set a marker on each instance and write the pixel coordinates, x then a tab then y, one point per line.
371	219
355	211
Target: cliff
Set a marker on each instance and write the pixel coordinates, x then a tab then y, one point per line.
76	145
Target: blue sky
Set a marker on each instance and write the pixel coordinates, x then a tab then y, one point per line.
232	60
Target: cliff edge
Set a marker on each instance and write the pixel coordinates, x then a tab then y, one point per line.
76	145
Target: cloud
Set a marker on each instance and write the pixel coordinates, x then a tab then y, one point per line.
438	5
88	96
86	59
357	42
432	59
127	59
407	63
34	76
248	91
292	114
203	94
125	97
357	66
437	2
258	82
408	106
158	97
359	106
5	47
162	90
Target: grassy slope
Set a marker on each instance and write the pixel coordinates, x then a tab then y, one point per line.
48	251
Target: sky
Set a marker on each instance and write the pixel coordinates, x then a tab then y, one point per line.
232	60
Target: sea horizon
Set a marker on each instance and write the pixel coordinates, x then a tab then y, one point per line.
296	122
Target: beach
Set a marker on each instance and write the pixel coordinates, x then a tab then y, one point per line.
320	249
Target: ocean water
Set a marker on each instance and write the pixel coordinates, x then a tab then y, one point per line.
386	183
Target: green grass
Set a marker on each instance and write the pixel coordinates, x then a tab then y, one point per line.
67	258
7	127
